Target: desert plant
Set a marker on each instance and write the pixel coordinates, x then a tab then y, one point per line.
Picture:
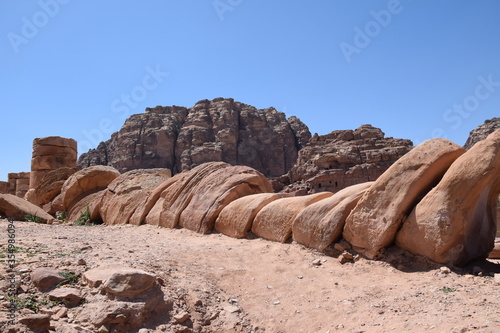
69	278
32	218
62	216
84	218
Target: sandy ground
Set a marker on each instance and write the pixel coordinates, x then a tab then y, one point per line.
276	287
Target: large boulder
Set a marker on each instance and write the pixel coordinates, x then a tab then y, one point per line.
17	208
236	219
128	192
374	222
50	187
195	203
88	206
85	182
322	223
274	221
456	221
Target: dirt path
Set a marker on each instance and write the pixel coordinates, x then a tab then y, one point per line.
276	287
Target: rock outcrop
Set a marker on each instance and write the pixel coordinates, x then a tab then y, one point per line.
51	153
274	221
456	221
180	138
482	131
194	199
17	208
129	191
236	219
374	222
342	158
322	223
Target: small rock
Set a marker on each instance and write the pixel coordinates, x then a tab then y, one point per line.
231	309
103	329
143	330
181	317
45	278
63	312
36	322
81	262
277	303
496	278
300	277
445	270
23	270
69	296
316	262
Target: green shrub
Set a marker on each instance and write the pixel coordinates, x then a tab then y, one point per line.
32	218
84	218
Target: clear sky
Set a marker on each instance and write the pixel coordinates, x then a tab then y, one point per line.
415	68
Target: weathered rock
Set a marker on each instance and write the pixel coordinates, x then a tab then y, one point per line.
92	202
194	199
18	183
378	215
181	138
495	253
274	221
36	322
71	328
45	278
129	191
71	297
236	219
17	208
322	223
128	282
342	158
482	131
85	182
96	276
456	221
50	187
4	187
51	153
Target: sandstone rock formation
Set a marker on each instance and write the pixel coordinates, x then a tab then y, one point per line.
18	183
482	131
274	221
322	223
343	158
129	191
456	221
236	219
50	187
17	208
179	138
51	153
4	187
84	182
373	223
194	199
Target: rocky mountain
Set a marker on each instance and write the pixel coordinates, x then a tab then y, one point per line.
342	158
482	131
180	138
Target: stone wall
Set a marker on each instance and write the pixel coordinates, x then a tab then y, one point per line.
4	187
18	183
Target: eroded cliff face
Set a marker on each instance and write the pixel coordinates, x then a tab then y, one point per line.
180	138
342	158
482	131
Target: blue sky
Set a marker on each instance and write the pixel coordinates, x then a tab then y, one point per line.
415	68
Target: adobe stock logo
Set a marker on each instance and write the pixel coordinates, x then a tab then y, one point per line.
471	103
123	106
31	27
223	6
373	28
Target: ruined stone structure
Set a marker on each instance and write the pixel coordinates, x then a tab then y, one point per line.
18	183
4	187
